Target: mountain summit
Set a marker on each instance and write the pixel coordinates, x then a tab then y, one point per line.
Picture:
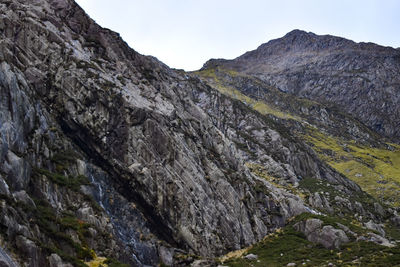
111	158
360	78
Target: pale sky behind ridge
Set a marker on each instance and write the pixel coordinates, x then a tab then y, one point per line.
184	34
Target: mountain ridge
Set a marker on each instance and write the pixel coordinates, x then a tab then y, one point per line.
332	70
110	157
295	34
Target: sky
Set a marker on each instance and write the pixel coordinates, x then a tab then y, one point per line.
184	34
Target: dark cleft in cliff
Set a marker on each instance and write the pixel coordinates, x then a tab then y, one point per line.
110	157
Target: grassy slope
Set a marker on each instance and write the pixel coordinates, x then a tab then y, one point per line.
257	105
376	170
288	246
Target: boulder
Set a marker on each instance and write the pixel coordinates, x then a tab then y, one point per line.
251	257
22	196
56	261
4	190
328	236
376	227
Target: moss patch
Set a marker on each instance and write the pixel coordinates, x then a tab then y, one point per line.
260	171
115	263
287	246
375	169
72	182
260	106
97	262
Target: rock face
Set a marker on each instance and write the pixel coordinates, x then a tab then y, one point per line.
327	235
85	117
361	78
105	151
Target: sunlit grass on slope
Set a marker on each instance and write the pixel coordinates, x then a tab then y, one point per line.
260	171
104	262
97	262
376	170
260	106
289	246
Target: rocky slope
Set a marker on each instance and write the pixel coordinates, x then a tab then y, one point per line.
107	155
360	78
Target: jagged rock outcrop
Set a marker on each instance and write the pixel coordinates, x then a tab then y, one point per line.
327	235
360	78
105	152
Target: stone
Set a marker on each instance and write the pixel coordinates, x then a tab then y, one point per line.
380	240
23	197
29	248
343	227
251	257
379	209
165	154
291	264
6	260
309	226
166	256
56	261
330	237
307	61
327	235
396	220
203	263
4	189
376	227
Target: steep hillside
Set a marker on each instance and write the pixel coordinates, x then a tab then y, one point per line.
110	157
360	78
340	140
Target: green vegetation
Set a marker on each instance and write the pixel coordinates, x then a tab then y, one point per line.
260	171
64	159
375	169
315	185
260	106
104	262
115	263
55	226
73	182
287	246
330	191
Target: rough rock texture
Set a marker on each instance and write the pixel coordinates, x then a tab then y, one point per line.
83	115
361	78
327	235
105	151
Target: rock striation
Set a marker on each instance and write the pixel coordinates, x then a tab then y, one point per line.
360	78
110	155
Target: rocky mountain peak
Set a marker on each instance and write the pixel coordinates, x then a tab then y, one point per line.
331	69
109	157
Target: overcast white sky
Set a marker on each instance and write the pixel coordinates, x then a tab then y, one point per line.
186	33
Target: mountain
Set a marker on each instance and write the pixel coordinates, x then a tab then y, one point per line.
360	78
111	158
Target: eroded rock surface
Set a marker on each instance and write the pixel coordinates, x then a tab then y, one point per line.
105	151
360	78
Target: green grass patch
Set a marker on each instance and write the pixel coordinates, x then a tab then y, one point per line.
64	159
218	83
375	169
111	262
54	226
72	182
288	246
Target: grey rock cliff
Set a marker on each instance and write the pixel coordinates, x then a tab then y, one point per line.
361	78
77	102
106	151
